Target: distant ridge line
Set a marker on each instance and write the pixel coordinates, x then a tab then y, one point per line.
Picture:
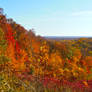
66	37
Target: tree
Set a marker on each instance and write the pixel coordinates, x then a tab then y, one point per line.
1	11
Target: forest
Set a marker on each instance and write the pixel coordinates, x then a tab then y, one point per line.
31	63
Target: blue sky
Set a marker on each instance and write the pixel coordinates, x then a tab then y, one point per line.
52	17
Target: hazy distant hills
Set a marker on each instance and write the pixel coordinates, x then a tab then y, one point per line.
66	37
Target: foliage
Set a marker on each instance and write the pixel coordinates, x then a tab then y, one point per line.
30	63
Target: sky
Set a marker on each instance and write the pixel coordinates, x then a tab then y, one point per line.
51	17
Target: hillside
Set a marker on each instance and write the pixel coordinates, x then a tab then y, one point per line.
30	63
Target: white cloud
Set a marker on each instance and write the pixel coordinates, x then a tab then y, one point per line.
82	13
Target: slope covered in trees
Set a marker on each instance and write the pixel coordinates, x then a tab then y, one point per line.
30	63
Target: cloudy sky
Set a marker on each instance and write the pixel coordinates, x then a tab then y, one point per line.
52	17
